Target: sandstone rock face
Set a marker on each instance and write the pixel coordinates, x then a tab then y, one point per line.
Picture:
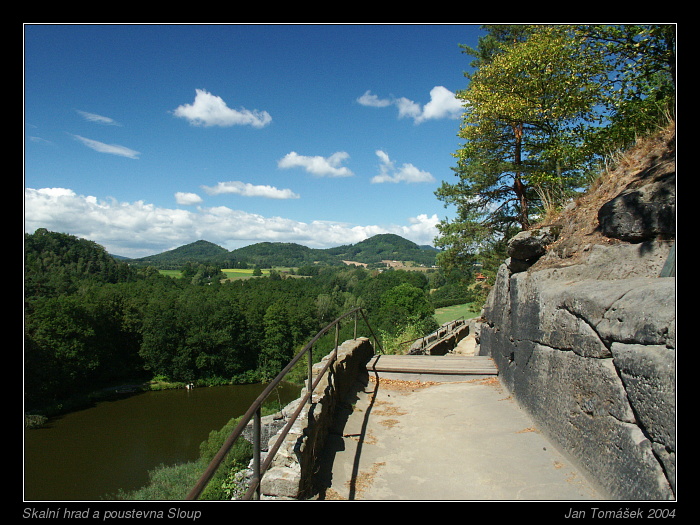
642	213
525	248
587	345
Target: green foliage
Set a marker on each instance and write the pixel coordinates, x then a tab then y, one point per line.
166	482
276	254
640	88
404	305
400	342
453	293
278	344
521	126
201	274
57	263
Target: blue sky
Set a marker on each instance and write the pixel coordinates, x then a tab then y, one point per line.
143	138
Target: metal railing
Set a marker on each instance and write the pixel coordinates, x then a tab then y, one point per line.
255	412
442	332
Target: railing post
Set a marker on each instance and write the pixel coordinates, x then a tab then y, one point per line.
354	331
256	450
337	330
309	381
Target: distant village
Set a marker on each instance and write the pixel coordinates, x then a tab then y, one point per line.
397	265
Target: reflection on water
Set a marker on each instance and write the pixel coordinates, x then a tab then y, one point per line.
88	454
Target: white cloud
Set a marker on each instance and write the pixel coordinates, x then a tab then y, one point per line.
40	140
373	100
250	190
317	165
406	173
187	199
443	104
138	229
112	149
211	110
408	108
422	229
98	119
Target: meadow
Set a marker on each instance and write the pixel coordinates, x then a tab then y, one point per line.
239	273
231	273
450	313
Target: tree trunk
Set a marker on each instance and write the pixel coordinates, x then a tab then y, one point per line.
518	185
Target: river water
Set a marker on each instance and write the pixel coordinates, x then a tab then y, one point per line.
88	454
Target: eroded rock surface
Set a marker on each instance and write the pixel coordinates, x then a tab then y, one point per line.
583	331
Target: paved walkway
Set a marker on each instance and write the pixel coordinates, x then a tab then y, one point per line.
449	440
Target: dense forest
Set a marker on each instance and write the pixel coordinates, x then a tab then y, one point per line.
92	320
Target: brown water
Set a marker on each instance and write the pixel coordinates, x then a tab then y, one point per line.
88	454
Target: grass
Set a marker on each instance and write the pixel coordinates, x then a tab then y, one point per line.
450	313
239	273
171	273
231	273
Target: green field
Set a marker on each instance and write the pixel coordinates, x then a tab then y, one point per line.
450	313
238	273
231	273
171	273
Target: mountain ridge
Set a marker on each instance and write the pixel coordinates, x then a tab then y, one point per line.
268	254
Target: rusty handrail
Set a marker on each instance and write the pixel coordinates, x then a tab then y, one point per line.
254	412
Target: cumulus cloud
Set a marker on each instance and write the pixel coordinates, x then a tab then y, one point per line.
317	165
98	119
187	199
443	104
112	149
211	110
406	173
250	190
138	229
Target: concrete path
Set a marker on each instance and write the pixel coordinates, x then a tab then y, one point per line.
457	440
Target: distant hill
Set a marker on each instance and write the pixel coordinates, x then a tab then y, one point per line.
386	246
270	254
201	251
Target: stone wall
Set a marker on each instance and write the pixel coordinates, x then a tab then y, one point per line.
290	474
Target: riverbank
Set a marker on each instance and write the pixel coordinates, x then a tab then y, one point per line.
114	448
37	417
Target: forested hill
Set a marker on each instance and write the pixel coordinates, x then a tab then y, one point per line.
271	254
385	246
203	252
57	263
